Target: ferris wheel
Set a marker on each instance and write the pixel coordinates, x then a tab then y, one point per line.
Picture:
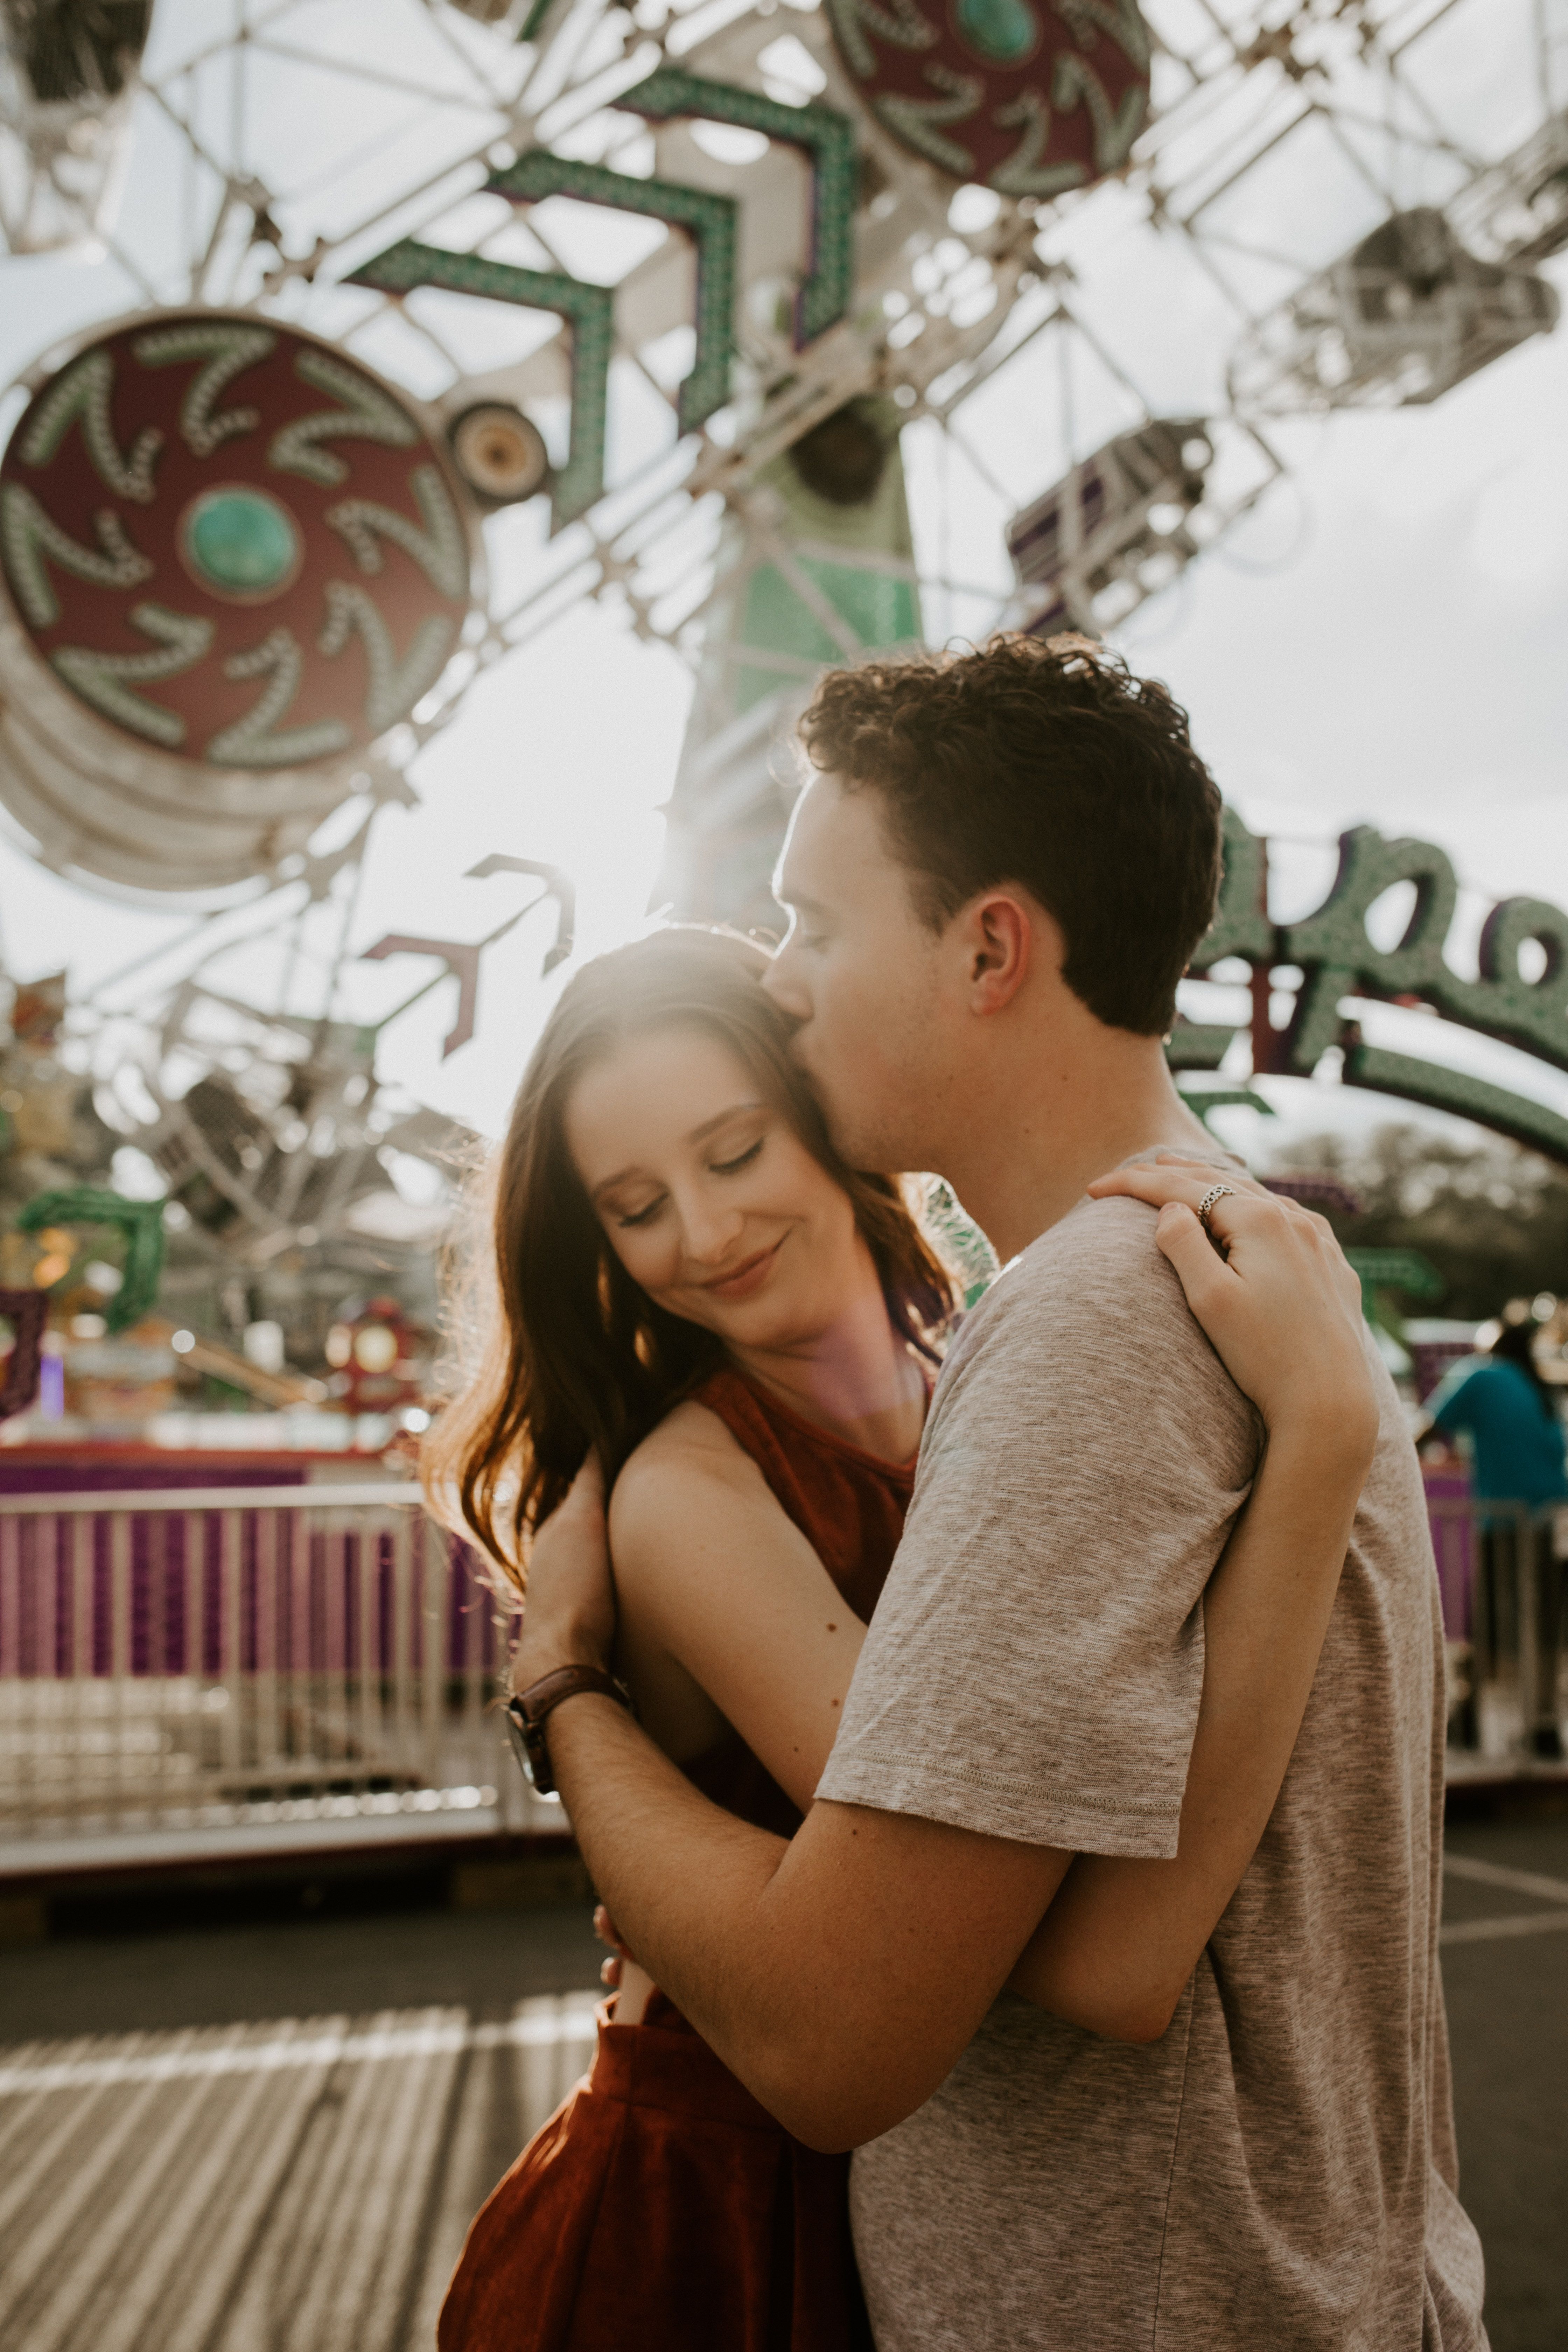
434	321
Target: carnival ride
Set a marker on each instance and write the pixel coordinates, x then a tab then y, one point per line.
427	325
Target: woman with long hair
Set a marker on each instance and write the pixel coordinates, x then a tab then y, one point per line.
684	1280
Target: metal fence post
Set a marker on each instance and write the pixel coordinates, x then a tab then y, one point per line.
231	1681
118	1655
434	1611
1526	1586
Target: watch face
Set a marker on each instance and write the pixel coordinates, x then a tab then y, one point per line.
515	1732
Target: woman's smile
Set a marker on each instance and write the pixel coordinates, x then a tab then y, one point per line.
748	1276
699	1179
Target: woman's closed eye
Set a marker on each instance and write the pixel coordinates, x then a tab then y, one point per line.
743	1160
644	1216
652	1208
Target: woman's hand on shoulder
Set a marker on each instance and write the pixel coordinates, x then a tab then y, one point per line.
1281	1306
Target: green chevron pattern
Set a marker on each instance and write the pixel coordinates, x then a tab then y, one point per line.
709	218
828	139
588	311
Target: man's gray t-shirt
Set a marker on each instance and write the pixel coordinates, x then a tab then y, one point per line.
1278	2171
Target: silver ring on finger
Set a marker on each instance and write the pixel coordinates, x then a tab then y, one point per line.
1215	1194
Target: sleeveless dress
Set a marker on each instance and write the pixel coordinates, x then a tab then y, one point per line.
661	2206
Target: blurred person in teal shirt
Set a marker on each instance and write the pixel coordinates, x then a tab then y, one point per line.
1500	1401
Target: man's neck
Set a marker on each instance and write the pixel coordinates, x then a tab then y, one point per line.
1020	1163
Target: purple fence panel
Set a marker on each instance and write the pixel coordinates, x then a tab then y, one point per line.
1452	1522
195	1656
325	1601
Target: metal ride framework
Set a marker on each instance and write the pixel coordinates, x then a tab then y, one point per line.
1311	213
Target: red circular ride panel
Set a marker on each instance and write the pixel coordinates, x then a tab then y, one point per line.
1027	97
233	543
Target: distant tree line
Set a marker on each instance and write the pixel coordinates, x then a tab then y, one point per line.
1492	1218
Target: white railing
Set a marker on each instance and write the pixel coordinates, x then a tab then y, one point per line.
196	1659
234	1659
1500	1574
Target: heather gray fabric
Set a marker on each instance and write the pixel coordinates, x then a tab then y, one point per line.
1277	2174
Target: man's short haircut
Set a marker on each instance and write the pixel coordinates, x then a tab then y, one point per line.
1047	764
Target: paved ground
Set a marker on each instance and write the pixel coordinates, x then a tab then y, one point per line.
1505	1969
270	2137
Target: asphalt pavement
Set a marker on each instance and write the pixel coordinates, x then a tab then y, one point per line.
1505	1976
270	2137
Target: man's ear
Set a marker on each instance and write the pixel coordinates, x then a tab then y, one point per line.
1000	949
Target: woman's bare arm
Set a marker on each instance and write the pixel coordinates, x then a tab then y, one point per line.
723	1601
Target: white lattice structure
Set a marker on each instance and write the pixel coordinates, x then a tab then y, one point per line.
278	157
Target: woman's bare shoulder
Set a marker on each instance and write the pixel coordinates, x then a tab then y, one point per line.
687	1486
690	1452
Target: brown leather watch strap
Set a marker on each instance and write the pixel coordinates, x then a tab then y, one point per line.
527	1712
541	1698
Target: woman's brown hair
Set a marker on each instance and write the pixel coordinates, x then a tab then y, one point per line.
557	1349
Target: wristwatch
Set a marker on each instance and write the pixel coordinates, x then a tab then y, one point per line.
526	1714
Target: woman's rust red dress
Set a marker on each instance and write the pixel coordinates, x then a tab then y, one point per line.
662	2207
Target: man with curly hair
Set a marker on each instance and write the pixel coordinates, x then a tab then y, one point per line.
1000	864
